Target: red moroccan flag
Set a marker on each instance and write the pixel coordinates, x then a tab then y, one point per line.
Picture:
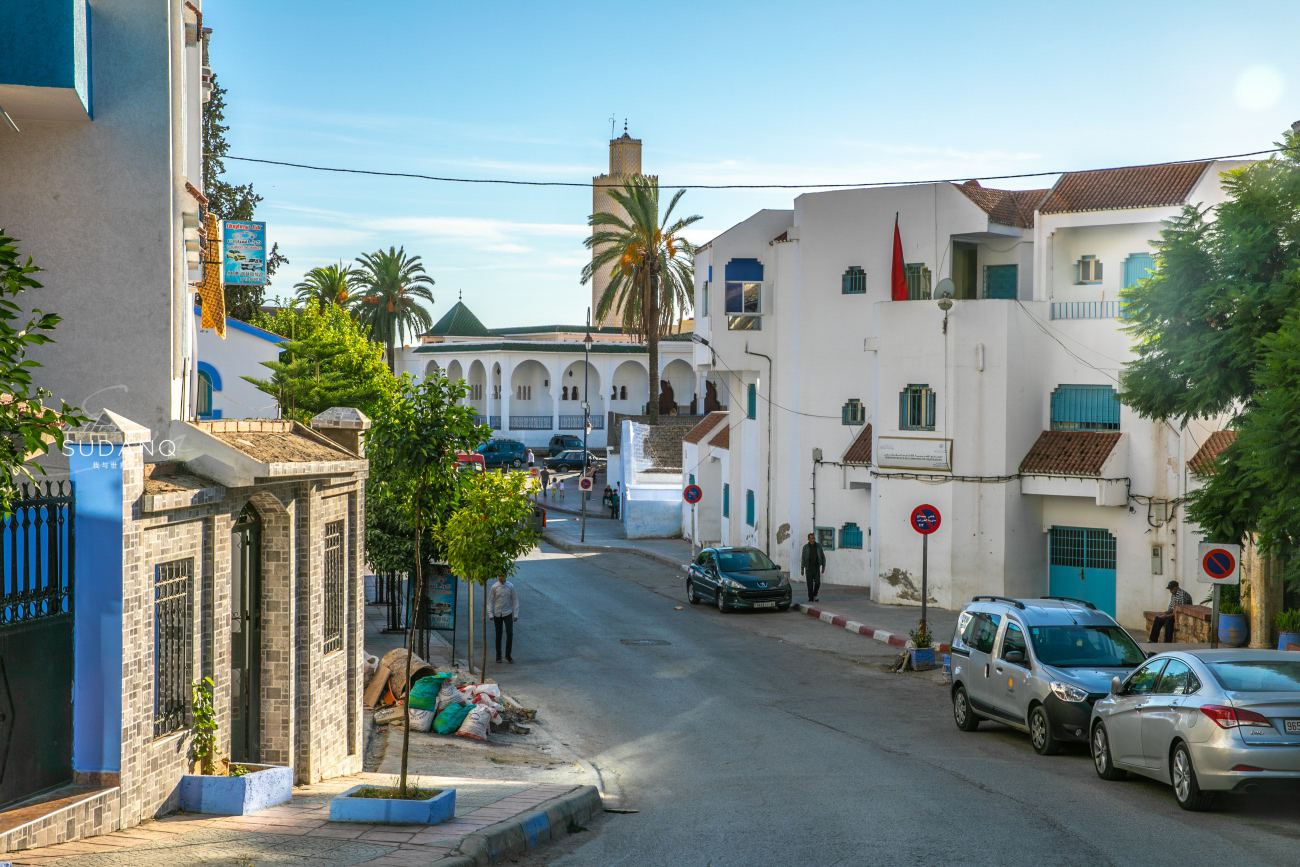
898	277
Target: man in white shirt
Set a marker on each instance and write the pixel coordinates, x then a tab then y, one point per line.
503	608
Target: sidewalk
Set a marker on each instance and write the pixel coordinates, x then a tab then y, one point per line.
852	609
603	535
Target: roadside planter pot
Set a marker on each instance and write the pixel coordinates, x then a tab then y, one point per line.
922	658
1233	630
1288	629
1288	640
263	786
351	807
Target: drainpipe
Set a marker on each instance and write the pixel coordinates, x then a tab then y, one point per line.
771	389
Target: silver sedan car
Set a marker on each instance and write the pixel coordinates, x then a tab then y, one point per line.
1205	721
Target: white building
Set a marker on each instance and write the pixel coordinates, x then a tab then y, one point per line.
851	409
222	391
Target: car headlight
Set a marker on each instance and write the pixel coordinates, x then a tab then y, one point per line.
1068	692
730	583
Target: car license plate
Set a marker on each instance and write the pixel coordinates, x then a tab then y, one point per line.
1292	726
773	605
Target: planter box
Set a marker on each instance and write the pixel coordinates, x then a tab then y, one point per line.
346	808
1286	639
922	658
1234	630
263	786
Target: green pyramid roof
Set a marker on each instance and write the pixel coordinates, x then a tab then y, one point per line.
458	322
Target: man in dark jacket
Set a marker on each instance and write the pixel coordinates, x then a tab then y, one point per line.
812	563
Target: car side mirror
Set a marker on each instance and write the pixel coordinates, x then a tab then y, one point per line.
1015	657
1150	653
1116	685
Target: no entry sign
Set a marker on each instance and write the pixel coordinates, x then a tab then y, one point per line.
1220	564
692	494
585	483
925	519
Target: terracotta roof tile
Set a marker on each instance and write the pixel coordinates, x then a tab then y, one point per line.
860	451
722	440
701	430
1008	207
1137	187
1203	462
1069	453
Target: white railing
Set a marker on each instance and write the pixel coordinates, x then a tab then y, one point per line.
1088	310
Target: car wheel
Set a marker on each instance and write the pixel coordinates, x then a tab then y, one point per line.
691	596
1101	758
516	463
961	711
1186	789
562	468
783	606
1040	732
721	599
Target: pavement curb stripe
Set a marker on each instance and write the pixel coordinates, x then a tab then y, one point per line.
529	830
860	628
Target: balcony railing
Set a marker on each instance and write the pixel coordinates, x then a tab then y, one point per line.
1088	310
574	422
530	422
493	421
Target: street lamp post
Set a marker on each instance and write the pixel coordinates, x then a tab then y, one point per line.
586	421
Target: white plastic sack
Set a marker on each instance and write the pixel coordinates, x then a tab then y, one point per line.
372	665
476	724
489	689
448	694
421	720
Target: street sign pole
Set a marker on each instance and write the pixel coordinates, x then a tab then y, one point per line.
1214	620
925	576
925	520
586	422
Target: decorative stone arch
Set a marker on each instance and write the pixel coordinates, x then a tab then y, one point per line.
633	389
455	371
533	376
476	379
432	369
678	374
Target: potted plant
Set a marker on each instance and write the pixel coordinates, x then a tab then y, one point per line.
1234	628
1288	627
392	805
236	788
921	653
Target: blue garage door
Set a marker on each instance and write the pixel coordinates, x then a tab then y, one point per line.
1083	566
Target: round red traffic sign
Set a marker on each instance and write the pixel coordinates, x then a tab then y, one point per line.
925	519
692	494
1219	563
585	483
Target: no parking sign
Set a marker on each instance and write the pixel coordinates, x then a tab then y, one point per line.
1220	564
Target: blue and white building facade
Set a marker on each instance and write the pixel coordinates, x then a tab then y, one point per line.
221	390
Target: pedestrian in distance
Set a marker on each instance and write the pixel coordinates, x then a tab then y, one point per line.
812	563
608	500
503	608
560	483
529	456
1165	621
546	481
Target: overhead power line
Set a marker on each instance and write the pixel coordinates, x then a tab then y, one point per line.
588	184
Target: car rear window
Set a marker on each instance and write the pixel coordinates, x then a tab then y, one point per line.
1075	645
1258	676
743	561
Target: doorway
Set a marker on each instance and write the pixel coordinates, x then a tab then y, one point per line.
1083	565
246	637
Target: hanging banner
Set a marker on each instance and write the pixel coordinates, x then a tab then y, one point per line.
245	248
440	590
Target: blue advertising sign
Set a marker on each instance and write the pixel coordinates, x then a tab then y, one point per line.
245	253
441	593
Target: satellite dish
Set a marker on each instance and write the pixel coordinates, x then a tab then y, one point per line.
945	289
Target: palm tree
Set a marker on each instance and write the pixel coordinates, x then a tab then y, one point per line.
392	286
325	286
651	268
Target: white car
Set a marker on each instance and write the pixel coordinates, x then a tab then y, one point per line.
1204	721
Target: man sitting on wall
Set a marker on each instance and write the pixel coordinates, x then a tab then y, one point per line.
1177	596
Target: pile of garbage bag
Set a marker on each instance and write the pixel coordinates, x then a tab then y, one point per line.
438	702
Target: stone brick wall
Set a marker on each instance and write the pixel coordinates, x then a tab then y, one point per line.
1191	623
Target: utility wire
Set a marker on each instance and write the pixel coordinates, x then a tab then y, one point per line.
589	184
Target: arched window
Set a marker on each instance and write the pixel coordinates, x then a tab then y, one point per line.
564	393
622	392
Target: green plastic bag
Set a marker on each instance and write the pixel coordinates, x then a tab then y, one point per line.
450	719
424	692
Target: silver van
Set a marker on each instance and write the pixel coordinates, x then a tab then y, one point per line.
1037	665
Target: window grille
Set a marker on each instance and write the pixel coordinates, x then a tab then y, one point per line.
1082	548
173	627
916	408
335	586
749	508
854	281
850	536
918	281
853	412
1087	270
1085	407
726	501
825	537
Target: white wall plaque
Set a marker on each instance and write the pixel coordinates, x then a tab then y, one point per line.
913	453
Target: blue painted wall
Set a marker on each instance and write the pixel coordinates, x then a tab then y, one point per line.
46	44
97	675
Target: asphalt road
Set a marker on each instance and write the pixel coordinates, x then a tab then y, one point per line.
769	738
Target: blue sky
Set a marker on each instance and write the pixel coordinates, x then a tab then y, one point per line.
719	92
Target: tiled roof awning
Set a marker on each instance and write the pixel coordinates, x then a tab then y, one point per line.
1203	463
235	452
860	452
1136	187
1069	453
701	430
722	439
1008	207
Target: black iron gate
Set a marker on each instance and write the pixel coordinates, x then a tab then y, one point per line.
36	586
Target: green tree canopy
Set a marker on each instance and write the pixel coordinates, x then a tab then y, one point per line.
1217	332
326	361
651	264
27	427
330	285
393	286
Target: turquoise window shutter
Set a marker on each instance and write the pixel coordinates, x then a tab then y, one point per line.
929	410
749	508
726	501
1085	407
1000	281
1138	267
902	409
753	401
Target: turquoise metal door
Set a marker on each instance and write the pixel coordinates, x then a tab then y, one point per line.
1000	281
1082	566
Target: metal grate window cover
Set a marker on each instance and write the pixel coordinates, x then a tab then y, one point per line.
173	629
1082	548
916	405
1085	407
853	412
854	281
335	592
36	554
918	281
850	536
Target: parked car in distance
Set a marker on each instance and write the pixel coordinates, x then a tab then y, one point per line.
1037	665
562	443
572	460
737	578
470	463
503	453
1204	721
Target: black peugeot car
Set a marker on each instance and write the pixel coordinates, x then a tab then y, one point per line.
737	578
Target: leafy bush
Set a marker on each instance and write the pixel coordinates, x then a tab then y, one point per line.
1288	621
